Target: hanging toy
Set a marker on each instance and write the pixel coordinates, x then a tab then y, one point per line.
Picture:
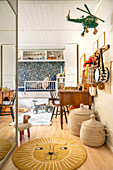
90	21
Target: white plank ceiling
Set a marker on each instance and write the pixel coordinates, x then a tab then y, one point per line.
43	24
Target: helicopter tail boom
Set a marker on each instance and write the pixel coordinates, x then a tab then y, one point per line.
73	20
76	20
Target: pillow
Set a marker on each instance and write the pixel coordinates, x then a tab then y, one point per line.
45	83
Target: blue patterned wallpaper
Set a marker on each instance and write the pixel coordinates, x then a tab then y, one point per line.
37	71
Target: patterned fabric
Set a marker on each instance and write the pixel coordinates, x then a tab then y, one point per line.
45	83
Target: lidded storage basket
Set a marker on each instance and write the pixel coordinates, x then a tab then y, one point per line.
76	117
92	132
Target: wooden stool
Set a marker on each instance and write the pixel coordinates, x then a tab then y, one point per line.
23	126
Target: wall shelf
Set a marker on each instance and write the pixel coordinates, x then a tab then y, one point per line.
41	55
60	82
40	60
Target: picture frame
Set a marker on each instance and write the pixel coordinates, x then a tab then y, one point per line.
82	60
95	46
101	40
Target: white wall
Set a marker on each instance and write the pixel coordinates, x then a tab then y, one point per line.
0	64
7	39
103	102
7	24
8	66
71	64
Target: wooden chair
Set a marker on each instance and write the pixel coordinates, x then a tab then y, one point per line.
55	101
9	104
23	126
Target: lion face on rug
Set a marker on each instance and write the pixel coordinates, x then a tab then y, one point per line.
50	152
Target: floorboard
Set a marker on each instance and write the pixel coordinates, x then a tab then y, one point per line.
97	158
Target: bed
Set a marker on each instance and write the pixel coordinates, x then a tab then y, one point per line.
32	86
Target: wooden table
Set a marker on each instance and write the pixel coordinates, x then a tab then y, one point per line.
7	95
73	97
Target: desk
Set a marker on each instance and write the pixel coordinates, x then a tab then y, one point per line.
73	97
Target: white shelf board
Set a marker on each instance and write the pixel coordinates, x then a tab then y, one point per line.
40	60
60	77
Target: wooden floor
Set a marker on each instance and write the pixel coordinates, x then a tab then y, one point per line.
97	158
6	131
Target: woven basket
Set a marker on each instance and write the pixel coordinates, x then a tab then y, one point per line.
90	79
92	132
76	117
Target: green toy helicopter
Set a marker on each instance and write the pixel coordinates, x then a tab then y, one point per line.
90	21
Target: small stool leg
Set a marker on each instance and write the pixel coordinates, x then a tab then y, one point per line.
23	132
28	131
20	135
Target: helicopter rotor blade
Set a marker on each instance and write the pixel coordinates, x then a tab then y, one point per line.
89	12
87	9
98	18
82	10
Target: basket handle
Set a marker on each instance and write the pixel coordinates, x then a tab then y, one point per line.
106	134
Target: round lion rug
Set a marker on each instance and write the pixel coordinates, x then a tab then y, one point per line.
49	153
5	147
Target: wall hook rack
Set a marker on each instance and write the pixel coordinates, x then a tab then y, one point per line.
103	49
